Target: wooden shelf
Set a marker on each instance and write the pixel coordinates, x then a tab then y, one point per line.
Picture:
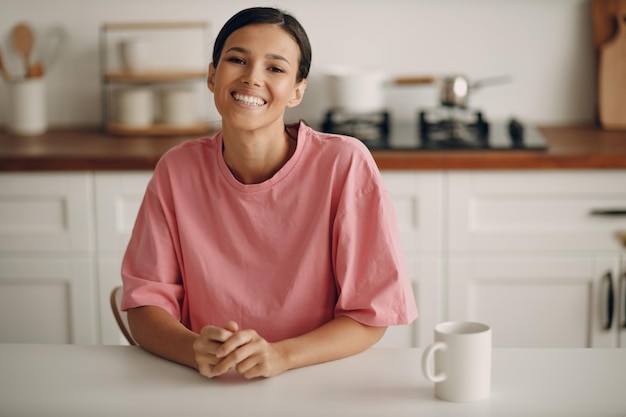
158	130
152	25
161	73
153	77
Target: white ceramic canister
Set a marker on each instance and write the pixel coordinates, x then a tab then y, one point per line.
135	107
177	106
28	107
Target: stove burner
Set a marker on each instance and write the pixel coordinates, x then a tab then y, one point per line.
438	128
371	128
453	129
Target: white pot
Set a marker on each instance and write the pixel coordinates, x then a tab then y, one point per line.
356	90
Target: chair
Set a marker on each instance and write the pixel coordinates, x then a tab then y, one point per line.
120	316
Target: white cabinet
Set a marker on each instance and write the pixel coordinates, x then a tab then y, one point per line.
417	200
534	300
516	249
527	256
118	197
47	274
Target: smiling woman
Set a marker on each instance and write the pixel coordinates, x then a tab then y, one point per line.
265	247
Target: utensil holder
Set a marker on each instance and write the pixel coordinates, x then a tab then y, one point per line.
28	107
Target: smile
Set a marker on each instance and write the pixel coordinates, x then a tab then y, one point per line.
249	100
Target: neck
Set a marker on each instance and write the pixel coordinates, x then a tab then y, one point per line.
254	157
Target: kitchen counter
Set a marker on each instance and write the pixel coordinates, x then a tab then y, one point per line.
82	380
569	147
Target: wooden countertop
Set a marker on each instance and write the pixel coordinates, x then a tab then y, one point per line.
569	147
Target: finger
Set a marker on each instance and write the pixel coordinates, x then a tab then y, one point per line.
206	369
232	326
235	342
216	334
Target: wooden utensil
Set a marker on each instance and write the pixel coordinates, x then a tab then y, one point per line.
612	79
23	42
5	74
603	14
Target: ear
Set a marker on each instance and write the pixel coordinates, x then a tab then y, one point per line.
298	94
211	78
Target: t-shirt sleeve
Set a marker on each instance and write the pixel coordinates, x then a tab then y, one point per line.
372	278
150	268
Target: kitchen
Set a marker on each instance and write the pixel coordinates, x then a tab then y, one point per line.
523	240
479	230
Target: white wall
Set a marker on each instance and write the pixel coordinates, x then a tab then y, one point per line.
544	45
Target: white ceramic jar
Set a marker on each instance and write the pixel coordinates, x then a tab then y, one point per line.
177	106
135	107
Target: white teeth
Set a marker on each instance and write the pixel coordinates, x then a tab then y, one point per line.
249	100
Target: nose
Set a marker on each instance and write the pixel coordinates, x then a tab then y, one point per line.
252	76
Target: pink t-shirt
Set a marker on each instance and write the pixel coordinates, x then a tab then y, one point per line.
317	240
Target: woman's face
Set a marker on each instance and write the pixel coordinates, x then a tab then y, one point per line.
255	79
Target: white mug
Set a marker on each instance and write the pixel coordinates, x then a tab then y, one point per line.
462	361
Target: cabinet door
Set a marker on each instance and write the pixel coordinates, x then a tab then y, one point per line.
109	267
118	197
47	301
50	212
535	210
417	200
535	301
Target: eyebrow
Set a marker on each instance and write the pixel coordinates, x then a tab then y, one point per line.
247	52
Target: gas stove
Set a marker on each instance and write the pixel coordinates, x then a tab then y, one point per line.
436	129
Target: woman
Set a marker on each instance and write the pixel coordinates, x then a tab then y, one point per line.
265	247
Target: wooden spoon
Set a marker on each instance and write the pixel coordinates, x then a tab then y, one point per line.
3	70
23	42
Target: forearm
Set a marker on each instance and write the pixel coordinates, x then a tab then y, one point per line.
339	338
156	331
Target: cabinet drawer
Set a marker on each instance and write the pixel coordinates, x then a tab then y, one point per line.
535	210
49	212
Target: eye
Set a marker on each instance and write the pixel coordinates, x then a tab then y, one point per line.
235	60
276	69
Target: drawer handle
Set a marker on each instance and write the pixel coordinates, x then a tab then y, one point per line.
624	306
609	212
610	301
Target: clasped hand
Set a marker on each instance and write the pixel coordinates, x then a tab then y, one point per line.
219	349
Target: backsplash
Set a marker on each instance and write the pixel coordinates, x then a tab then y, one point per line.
545	46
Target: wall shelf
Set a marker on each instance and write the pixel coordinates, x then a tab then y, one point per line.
178	59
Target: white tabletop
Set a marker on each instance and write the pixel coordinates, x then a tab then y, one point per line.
72	380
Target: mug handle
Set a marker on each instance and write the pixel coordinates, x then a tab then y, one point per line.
428	358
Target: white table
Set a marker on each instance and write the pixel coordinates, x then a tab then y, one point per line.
72	380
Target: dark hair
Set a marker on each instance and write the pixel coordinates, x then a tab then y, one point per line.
271	16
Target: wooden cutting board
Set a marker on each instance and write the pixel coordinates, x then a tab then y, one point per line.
609	40
612	79
603	14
